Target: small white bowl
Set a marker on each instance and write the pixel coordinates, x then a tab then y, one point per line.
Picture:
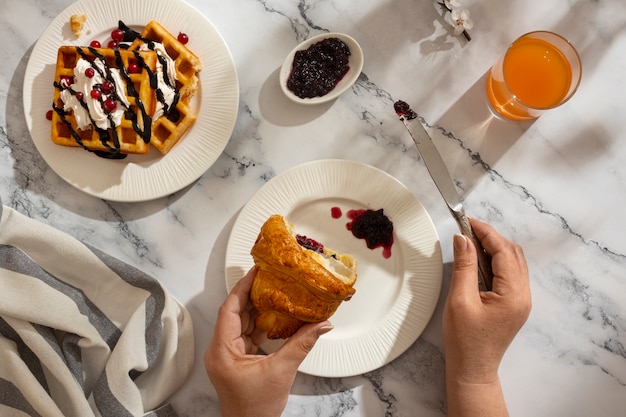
355	61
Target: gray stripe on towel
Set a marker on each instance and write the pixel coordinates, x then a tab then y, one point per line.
15	260
12	397
154	304
108	405
28	356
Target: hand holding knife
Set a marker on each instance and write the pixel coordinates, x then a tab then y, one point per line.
440	175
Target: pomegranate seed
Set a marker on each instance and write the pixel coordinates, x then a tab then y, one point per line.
95	44
79	95
117	35
90	72
49	115
95	94
133	68
107	87
183	38
112	44
109	105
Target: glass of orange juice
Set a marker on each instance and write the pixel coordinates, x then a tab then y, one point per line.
540	71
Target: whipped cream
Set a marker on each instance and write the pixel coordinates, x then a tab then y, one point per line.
167	87
94	113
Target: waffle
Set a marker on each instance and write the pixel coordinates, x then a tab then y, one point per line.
169	128
132	135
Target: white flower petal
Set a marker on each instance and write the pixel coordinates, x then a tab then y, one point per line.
456	17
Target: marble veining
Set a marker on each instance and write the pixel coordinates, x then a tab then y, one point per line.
556	185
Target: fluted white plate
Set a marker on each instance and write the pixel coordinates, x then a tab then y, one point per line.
395	297
137	177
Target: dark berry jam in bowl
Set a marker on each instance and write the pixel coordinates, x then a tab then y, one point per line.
334	84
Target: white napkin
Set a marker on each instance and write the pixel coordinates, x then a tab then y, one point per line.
82	333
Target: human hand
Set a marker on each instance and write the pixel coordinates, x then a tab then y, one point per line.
248	384
478	326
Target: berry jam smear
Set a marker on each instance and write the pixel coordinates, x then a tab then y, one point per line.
374	227
318	69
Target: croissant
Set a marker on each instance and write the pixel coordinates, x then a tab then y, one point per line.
298	280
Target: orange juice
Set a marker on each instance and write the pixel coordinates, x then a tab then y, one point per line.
537	73
540	70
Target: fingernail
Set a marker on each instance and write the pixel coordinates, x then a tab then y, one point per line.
459	242
325	329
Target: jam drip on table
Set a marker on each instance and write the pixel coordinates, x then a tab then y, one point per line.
319	68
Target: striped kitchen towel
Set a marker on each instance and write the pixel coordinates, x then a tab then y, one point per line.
82	333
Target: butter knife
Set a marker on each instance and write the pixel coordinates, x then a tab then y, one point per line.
440	175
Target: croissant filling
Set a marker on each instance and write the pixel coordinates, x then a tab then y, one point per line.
341	268
298	279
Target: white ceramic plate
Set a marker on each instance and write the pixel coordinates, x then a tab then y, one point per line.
355	62
395	297
137	177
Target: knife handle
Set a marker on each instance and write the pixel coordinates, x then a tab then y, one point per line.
485	273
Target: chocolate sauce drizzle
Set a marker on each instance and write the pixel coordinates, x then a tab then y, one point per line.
129	34
113	151
108	136
169	111
146	134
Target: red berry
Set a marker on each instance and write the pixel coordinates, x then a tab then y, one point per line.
117	35
113	44
49	115
107	87
90	72
95	94
109	105
133	68
79	95
183	38
66	81
95	44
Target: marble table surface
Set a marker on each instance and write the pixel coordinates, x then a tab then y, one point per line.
556	185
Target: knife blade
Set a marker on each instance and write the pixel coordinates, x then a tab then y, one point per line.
442	179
